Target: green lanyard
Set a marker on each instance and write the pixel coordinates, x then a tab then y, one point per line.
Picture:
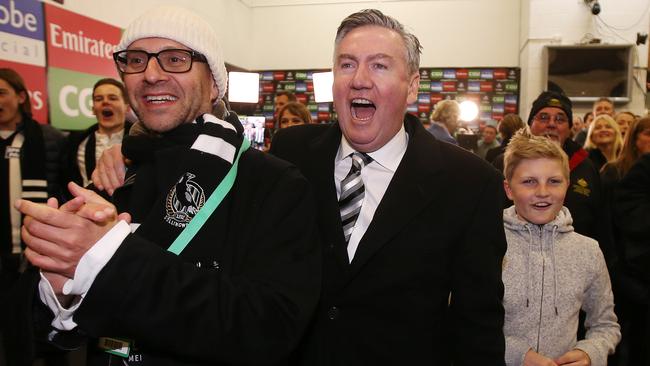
210	205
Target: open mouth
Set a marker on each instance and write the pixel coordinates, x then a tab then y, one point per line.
107	113
362	109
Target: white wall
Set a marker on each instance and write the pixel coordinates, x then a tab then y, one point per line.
298	34
452	32
568	22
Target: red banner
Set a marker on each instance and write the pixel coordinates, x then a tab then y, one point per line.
35	81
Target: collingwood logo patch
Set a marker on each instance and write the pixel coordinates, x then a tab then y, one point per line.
184	200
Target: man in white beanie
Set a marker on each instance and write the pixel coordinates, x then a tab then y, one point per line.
193	284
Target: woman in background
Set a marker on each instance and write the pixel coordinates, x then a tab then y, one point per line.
604	141
631	290
293	114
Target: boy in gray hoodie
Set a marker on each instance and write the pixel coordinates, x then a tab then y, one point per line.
550	272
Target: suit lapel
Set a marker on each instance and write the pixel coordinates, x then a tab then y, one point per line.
412	188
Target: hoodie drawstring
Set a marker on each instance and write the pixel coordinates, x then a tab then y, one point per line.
530	248
553	239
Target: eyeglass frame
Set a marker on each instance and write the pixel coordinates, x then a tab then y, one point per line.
566	118
194	57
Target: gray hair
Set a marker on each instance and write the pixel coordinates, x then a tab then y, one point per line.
377	18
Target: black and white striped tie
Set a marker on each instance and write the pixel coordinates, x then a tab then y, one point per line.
352	193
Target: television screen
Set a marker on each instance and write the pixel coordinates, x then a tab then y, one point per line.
585	73
254	130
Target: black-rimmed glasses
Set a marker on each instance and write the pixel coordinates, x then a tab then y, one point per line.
171	60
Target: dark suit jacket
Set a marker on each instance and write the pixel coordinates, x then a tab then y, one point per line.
437	231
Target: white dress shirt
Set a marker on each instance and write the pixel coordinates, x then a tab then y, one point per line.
376	177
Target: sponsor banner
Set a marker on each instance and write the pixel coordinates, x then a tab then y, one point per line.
22	18
323	116
310	86
412	108
22	49
267	87
35	81
487	74
498	86
461	86
310	75
302	98
474	74
289	76
510	108
79	43
435	98
70	98
500	74
498	108
312	107
301	75
511	99
436	74
485	115
290	86
425	85
462	74
266	76
278	75
449	74
511	87
268	108
314	116
268	116
301	86
323	107
474	86
512	74
424	108
487	86
485	107
422	116
498	99
449	86
423	98
497	116
436	86
424	75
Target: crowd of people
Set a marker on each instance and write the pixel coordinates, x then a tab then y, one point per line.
371	240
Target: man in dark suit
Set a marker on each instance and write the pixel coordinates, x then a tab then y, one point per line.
412	263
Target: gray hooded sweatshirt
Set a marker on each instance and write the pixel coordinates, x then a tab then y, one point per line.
550	272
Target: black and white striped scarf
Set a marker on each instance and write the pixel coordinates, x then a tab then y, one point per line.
163	197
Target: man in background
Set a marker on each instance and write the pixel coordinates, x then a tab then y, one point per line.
85	147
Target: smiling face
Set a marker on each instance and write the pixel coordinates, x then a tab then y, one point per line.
537	188
551	122
10	101
110	108
163	100
603	134
372	86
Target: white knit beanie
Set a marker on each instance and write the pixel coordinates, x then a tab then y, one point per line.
182	26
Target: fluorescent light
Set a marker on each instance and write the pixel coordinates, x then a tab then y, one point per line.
323	86
243	87
468	111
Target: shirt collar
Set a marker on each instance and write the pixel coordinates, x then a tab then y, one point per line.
388	156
